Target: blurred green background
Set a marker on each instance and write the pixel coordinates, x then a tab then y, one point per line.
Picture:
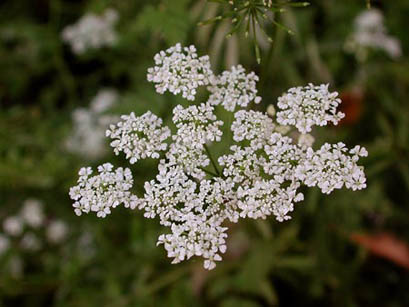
344	249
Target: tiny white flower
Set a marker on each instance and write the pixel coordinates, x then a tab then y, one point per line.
32	213
13	226
271	110
57	231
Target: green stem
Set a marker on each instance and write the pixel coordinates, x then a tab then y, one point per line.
208	172
211	160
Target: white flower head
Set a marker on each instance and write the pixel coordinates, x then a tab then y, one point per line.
234	88
91	32
304	107
57	231
252	126
371	33
180	70
195	193
197	125
331	167
196	237
191	159
13	226
139	137
104	191
268	197
32	213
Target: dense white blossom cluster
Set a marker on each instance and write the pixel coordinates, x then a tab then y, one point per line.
92	32
180	70
25	230
370	32
333	166
194	193
139	137
253	126
196	126
304	107
234	88
104	191
87	138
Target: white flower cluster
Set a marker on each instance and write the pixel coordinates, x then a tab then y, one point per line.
104	191
333	166
233	88
253	126
180	70
370	32
88	138
24	228
304	107
196	126
194	194
139	137
104	100
92	32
